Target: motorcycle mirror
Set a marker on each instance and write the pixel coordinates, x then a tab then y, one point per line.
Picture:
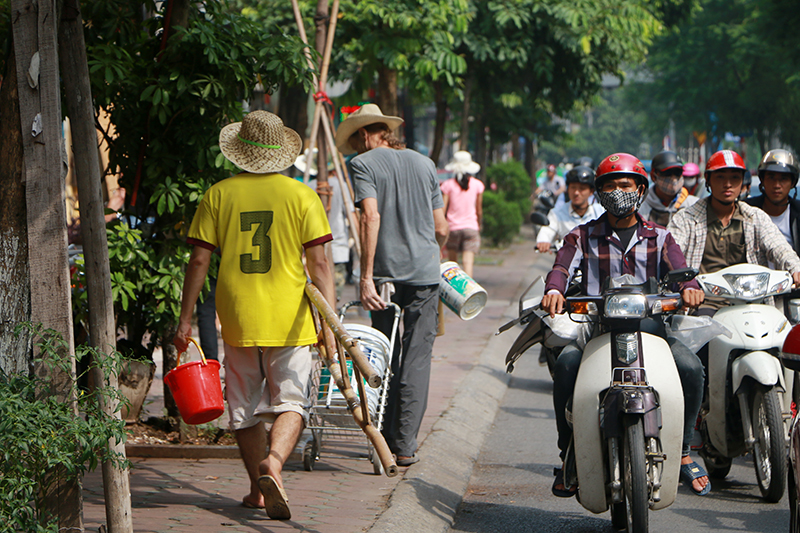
681	275
539	219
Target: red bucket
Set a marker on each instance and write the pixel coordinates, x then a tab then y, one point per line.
197	390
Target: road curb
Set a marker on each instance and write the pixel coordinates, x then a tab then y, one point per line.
429	494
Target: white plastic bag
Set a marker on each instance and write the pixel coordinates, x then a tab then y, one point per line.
695	331
564	330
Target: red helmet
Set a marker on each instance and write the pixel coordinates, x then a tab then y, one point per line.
618	165
725	159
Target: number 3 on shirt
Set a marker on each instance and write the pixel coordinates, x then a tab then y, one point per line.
263	221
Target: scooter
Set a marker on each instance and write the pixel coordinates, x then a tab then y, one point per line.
743	411
627	408
627	416
537	326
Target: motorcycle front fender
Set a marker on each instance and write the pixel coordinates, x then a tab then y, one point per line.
594	376
762	367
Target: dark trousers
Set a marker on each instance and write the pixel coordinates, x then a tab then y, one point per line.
411	366
207	322
690	370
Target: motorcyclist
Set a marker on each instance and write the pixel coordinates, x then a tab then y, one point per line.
720	231
692	180
668	195
778	173
746	183
622	242
563	218
552	182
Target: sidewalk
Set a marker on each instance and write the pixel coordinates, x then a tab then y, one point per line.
341	494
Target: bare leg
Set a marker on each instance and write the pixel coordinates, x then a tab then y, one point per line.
452	255
469	259
253	447
282	439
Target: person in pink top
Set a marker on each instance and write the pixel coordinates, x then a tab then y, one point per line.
463	200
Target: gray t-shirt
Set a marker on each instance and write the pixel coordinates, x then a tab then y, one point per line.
405	185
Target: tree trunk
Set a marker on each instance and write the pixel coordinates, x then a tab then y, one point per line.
293	109
407	130
530	156
441	119
35	32
463	138
102	329
387	90
180	15
15	290
516	147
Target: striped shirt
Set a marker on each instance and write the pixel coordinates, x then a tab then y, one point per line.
595	249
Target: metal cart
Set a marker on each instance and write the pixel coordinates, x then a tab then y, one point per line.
329	414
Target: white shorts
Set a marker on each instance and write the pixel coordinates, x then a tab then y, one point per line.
261	383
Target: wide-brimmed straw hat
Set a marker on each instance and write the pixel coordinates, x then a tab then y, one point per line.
364	116
260	143
462	163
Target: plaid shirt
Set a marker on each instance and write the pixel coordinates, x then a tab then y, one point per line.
595	249
763	240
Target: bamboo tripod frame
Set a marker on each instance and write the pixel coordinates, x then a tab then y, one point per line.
325	119
342	343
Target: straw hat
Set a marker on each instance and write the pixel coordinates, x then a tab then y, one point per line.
260	143
462	163
364	116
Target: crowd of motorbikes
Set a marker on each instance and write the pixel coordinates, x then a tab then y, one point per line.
627	409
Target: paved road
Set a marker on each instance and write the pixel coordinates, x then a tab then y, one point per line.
510	486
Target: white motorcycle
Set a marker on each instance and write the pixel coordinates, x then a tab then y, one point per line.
743	407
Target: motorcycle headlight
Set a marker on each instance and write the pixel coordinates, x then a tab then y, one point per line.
627	347
748	286
626	306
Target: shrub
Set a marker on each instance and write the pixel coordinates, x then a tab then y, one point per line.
40	435
501	218
513	181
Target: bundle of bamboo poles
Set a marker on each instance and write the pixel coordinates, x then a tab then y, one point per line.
336	340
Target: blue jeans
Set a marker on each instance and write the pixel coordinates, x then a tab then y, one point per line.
690	370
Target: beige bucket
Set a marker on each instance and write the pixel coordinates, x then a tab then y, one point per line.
459	292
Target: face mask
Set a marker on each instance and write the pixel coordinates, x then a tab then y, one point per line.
670	186
619	203
690	182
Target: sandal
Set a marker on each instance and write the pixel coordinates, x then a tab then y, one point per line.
406	461
275	500
692	471
565	492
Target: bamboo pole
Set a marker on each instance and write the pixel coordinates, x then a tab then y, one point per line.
348	343
372	433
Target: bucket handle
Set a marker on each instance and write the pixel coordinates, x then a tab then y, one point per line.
199	349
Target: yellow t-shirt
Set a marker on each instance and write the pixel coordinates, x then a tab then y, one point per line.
261	223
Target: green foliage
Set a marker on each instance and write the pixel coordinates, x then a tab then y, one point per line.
616	126
513	182
724	70
145	285
501	218
167	107
41	436
416	38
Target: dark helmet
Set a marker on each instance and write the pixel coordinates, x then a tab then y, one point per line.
618	165
778	161
664	161
581	174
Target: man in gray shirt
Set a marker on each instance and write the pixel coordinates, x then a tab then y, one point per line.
402	230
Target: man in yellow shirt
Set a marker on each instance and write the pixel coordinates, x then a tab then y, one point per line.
262	222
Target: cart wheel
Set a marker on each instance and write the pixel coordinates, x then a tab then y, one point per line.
309	457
